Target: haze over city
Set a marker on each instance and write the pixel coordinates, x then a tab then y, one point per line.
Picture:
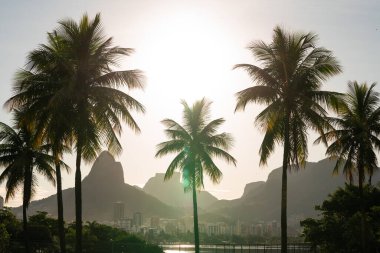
187	50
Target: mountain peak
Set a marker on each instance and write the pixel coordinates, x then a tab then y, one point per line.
104	186
106	170
176	177
106	155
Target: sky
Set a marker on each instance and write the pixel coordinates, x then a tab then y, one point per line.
187	49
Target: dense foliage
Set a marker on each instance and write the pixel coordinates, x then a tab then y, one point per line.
338	227
97	238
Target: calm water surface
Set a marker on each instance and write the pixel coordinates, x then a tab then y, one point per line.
296	248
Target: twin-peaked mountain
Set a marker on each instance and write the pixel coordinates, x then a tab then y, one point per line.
260	201
104	186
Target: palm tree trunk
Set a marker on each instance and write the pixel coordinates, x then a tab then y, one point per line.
61	227
362	212
78	202
284	190
25	203
195	213
25	226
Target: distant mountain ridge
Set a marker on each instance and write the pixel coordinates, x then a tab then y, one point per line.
260	201
171	192
306	188
104	186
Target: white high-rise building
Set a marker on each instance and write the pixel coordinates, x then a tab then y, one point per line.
137	219
1	202
118	211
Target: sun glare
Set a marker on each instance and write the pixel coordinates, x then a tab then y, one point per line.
183	56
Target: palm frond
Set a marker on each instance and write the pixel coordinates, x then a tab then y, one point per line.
259	94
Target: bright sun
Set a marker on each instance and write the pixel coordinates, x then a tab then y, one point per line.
184	55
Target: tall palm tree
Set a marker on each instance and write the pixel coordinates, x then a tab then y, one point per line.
38	88
195	142
288	82
356	137
21	155
84	90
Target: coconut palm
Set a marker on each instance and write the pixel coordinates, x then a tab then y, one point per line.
38	89
195	144
21	155
356	137
84	90
288	82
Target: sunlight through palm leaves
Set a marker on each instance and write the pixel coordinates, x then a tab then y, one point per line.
195	144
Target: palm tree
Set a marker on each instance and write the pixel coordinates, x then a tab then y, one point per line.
356	137
288	82
195	143
38	89
20	155
83	91
97	103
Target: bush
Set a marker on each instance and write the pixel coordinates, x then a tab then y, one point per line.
338	227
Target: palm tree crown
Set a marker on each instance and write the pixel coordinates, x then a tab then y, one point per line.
196	143
289	83
20	154
357	132
72	75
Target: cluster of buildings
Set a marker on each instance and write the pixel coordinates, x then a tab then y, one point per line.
185	224
155	225
134	224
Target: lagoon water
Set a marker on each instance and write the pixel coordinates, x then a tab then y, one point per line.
230	248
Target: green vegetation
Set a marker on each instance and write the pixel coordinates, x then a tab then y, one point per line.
43	230
355	139
195	144
289	83
338	229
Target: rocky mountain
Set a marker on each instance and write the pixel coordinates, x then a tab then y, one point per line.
252	187
171	192
104	186
306	188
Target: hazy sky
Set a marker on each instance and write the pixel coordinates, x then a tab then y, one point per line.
187	50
